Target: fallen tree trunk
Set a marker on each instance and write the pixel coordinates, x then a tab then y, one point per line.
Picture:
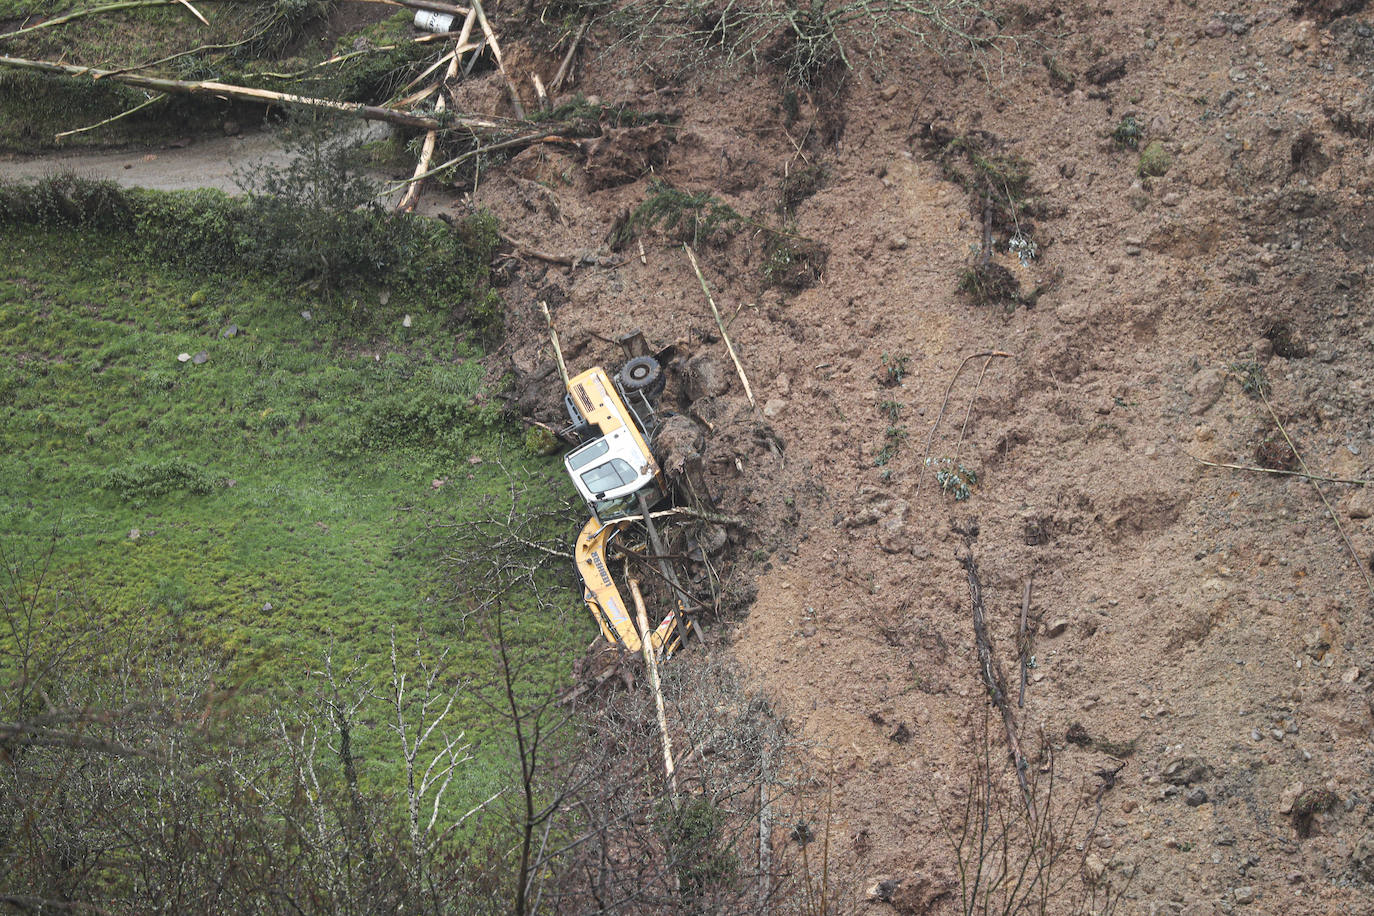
432	5
412	194
264	96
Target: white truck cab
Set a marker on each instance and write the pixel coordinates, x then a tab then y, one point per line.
612	469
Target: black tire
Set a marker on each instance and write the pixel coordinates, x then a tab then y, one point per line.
643	373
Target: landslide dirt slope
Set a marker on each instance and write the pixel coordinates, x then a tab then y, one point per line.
1196	612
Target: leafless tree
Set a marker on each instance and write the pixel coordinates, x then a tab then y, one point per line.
419	714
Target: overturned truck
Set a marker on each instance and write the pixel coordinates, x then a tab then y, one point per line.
614	420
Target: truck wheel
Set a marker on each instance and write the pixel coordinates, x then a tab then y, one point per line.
643	373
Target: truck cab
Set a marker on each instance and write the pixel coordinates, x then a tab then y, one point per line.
613	468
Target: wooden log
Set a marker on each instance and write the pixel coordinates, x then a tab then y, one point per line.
651	662
566	66
264	96
557	348
412	194
720	323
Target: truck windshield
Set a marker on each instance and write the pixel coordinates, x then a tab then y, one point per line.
614	473
626	506
587	454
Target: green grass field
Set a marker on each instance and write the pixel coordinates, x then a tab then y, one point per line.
274	496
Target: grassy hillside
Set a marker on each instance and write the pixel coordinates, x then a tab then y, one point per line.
272	495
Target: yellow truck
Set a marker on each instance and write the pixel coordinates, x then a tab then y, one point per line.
615	473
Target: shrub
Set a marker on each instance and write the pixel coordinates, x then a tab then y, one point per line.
1252	379
989	283
151	479
954	479
801	184
685	217
1128	133
1154	160
998	185
792	262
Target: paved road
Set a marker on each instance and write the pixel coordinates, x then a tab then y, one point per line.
217	162
210	163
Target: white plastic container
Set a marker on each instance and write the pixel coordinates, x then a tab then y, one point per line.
430	21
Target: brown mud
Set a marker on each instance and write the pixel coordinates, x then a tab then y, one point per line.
1177	611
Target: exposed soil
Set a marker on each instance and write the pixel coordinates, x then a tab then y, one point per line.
1177	611
1195	612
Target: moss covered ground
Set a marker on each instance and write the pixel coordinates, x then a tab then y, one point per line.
275	494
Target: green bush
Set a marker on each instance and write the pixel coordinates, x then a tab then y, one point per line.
431	422
151	479
694	835
1155	160
539	441
685	217
67	201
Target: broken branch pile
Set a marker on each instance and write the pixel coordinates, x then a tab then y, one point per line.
430	108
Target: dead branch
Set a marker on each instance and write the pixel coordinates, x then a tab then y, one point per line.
930	436
959	443
646	561
1023	645
702	514
378	49
426	73
434	6
123	114
734	357
579	260
265	96
1279	471
987	231
566	65
529	139
81	14
194	12
500	63
1364	573
990	673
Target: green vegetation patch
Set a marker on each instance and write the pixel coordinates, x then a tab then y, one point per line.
700	218
1155	160
260	484
315	223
